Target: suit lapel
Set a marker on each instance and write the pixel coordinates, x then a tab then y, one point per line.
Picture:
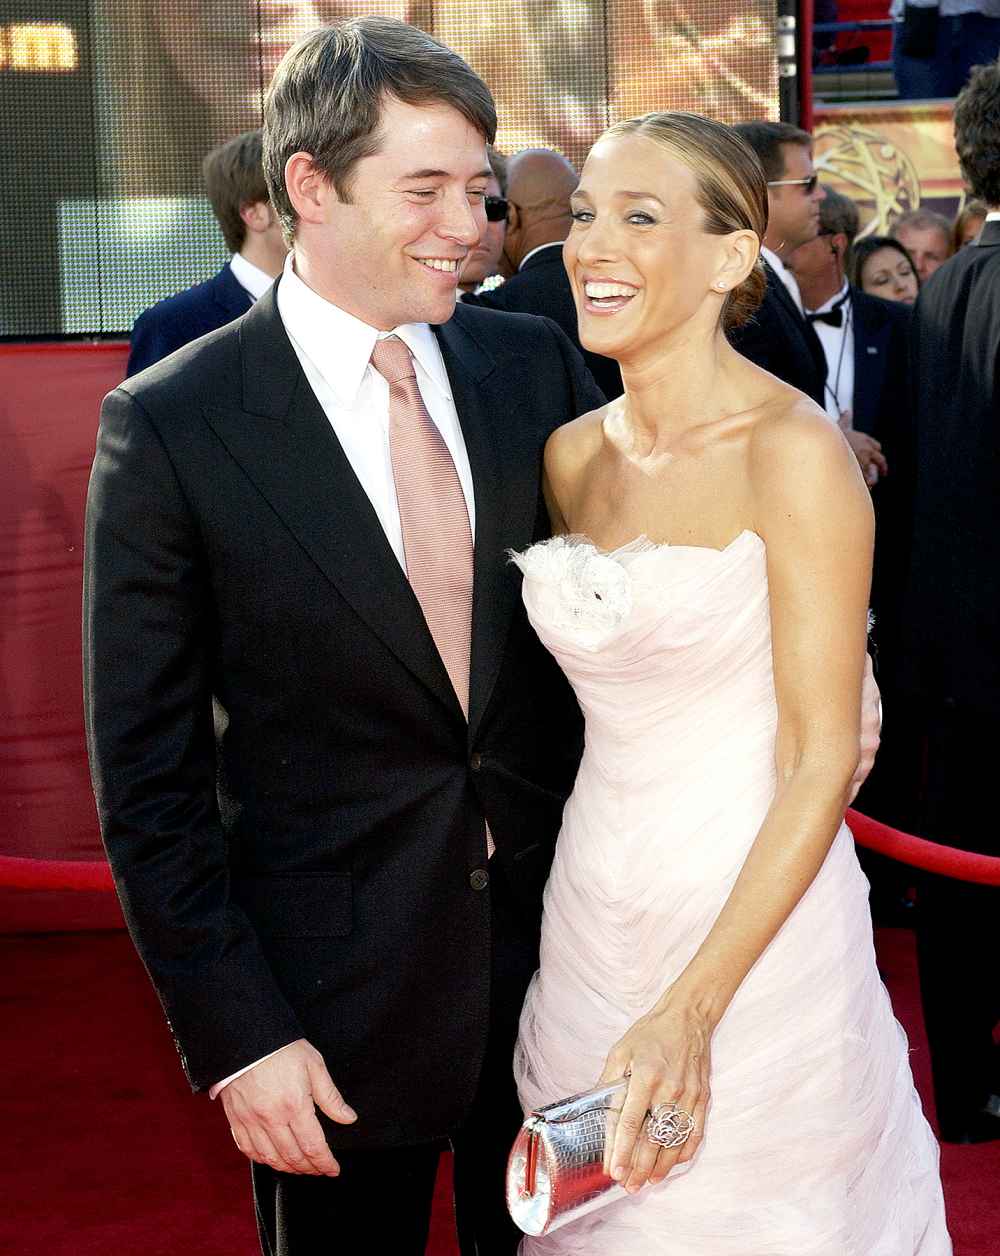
286	446
505	507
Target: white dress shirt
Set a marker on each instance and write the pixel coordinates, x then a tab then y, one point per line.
334	348
784	274
838	346
249	276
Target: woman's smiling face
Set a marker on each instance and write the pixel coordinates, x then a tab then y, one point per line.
638	256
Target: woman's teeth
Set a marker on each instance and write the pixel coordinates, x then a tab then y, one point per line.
610	293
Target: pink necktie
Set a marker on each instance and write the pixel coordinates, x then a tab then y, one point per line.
437	540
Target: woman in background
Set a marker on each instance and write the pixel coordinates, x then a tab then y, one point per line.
968	224
883	267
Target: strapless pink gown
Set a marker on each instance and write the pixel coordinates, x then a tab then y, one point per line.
815	1143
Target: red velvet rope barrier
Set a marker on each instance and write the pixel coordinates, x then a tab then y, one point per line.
54	874
947	861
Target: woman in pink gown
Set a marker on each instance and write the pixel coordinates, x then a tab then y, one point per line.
706	926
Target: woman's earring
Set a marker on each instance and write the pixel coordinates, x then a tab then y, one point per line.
720	284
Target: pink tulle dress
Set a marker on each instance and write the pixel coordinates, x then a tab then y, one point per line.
815	1143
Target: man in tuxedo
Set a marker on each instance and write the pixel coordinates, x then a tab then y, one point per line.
951	629
300	525
539	185
234	180
778	337
864	342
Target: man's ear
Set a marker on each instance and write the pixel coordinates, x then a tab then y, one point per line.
257	215
308	189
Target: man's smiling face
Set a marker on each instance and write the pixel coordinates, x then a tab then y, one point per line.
393	253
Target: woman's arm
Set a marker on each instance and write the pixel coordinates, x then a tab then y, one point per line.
814	513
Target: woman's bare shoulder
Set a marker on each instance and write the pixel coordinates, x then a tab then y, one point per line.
790	430
800	463
573	444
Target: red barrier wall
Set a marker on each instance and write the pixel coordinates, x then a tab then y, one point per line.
50	395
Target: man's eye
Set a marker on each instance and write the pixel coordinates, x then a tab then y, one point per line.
426	193
477	194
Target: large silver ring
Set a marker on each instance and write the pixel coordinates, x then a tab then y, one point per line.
669	1125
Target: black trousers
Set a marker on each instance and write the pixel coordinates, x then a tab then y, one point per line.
382	1199
958	924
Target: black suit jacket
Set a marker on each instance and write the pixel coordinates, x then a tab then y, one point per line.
177	320
952	621
541	286
881	407
780	340
318	871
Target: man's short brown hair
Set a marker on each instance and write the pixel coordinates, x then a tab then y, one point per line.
977	133
326	98
767	139
233	175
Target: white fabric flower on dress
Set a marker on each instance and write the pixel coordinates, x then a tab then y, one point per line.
576	588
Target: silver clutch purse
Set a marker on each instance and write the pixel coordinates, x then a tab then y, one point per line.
557	1169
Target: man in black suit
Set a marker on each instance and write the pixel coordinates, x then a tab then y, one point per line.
778	338
539	185
307	876
234	181
951	629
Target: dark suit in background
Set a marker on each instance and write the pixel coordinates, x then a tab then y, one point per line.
881	407
177	320
327	856
779	339
541	286
951	656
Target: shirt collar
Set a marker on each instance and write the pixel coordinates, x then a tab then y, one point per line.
340	346
249	276
552	244
774	261
839	296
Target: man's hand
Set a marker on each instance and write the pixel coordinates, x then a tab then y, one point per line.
868	452
871	728
272	1111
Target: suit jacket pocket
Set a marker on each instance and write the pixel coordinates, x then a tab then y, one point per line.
298	905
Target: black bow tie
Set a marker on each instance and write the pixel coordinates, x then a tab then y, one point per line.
834	316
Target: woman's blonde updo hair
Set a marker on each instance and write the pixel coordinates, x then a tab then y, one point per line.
731	187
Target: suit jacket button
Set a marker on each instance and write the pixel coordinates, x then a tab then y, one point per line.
479	879
476	762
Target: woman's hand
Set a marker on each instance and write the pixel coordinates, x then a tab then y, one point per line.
666	1057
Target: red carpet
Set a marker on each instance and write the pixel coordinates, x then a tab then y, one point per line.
107	1154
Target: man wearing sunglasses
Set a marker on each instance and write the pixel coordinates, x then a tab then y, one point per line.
486	265
778	337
